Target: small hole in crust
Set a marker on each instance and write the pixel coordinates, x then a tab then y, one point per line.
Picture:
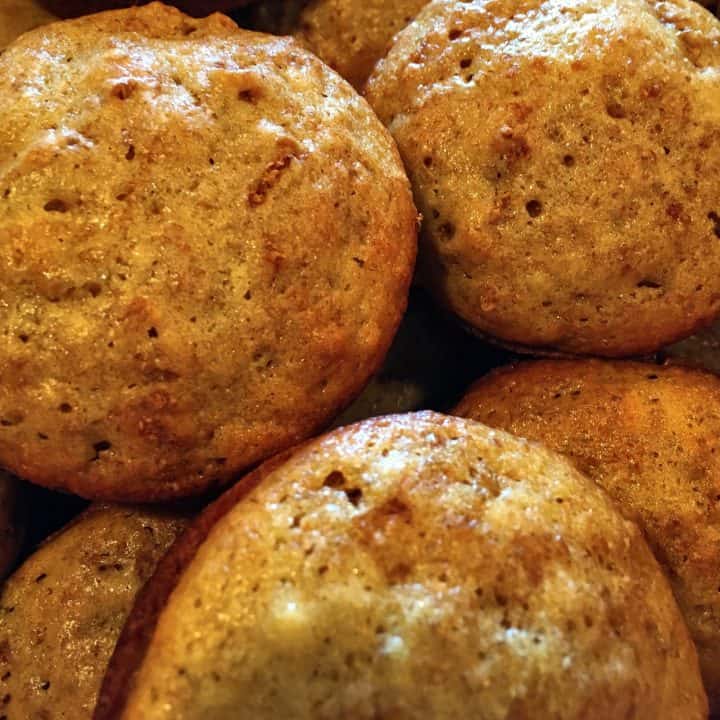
447	230
101	447
334	480
651	284
427	161
534	208
568	161
123	90
56	205
615	110
65	407
465	63
715	219
130	154
454	34
93	288
354	496
249	95
152	332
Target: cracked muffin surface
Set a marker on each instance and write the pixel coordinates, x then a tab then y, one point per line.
564	156
649	436
413	566
206	242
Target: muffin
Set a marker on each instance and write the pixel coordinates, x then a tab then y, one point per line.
19	16
62	611
206	243
349	35
564	156
12	522
651	437
197	8
414	566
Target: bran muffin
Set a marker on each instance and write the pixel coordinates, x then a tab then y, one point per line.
207	239
564	156
12	522
349	35
196	8
413	566
352	35
62	611
19	16
651	437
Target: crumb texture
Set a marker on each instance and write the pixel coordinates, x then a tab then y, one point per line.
352	35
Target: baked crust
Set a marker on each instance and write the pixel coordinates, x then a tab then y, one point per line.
206	244
411	566
650	436
61	612
563	155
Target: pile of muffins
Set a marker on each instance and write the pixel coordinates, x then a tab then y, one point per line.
357	360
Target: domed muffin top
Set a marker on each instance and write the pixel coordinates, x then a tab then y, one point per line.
564	156
206	241
414	566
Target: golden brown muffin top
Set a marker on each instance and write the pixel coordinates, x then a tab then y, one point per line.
206	240
651	437
19	16
419	566
352	35
62	611
564	156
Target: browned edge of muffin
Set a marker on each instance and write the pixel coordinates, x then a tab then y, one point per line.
137	633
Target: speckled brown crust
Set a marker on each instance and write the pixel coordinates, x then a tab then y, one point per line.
11	522
563	154
651	437
19	16
207	239
419	567
62	611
